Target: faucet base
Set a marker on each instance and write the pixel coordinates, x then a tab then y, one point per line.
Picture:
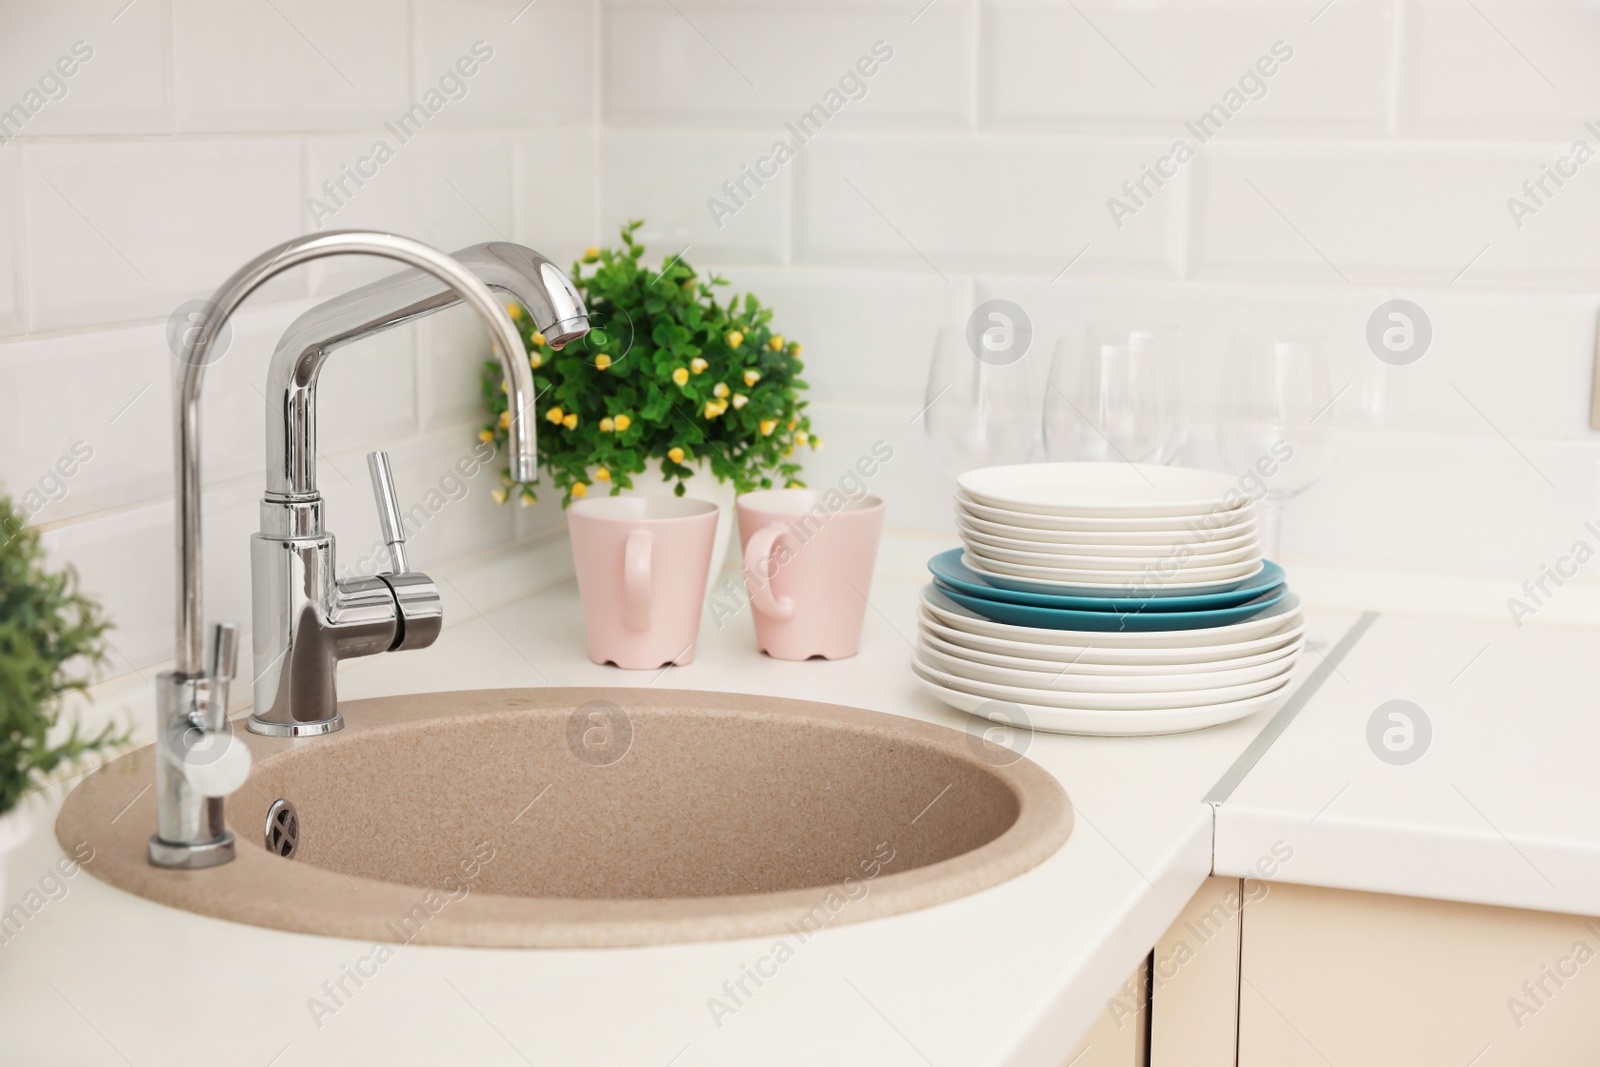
314	728
191	857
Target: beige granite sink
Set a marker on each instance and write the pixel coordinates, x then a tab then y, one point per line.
586	817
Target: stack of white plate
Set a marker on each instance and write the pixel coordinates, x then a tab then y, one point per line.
1108	528
1106	599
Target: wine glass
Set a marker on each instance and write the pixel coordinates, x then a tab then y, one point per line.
1113	397
1275	421
977	413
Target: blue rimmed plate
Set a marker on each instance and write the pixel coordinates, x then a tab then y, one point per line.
953	575
1111	621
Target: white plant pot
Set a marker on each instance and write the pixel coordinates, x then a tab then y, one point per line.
702	486
14	827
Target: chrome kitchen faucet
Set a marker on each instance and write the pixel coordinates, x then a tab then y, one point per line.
306	619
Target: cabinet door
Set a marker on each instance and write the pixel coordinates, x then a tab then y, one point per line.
1194	997
1336	977
1117	1039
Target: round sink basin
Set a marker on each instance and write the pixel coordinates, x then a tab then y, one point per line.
586	817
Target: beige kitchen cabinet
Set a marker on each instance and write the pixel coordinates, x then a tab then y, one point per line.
1257	974
1118	1036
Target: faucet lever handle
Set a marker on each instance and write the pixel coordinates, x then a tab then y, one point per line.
394	530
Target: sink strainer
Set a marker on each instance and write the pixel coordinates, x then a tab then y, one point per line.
283	829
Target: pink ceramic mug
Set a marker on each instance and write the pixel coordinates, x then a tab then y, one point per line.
642	564
808	559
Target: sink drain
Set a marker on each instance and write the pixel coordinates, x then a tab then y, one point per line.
283	829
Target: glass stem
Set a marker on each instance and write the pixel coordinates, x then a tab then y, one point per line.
1269	523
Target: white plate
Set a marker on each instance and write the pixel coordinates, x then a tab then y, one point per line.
1059	678
1269	621
1152	581
1166	559
1103	490
1154	546
1175	525
1088	655
1103	723
1140	701
1058	658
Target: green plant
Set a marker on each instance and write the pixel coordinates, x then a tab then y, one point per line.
666	373
50	637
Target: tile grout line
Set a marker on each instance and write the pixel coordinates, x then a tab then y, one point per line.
1280	722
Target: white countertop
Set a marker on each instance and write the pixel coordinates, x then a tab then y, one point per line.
1012	975
1500	808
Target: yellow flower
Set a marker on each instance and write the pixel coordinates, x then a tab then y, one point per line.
486	435
697	364
712	409
515	311
537	338
734	338
498	495
622	423
579	490
503	388
536	361
602	361
720	389
776	343
571	421
675	454
602	474
739	401
607	424
752	376
681	376
505	420
591	254
767	426
816	442
801	438
794	484
555	415
794	349
793	423
527	499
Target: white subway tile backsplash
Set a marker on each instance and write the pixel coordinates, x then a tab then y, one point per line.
868	335
981	202
85	421
555	193
76	70
538	68
1497	69
290	64
128	230
11	217
710	64
671	180
1390	214
448	190
1116	66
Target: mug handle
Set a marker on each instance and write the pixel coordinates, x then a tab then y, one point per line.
636	580
759	553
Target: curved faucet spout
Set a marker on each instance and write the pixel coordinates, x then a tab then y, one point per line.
520	273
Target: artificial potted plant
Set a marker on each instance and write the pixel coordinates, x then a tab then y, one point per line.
51	636
707	392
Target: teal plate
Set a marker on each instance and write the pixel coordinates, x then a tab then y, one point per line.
1111	621
951	574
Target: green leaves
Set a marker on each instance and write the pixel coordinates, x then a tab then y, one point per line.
630	412
50	637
